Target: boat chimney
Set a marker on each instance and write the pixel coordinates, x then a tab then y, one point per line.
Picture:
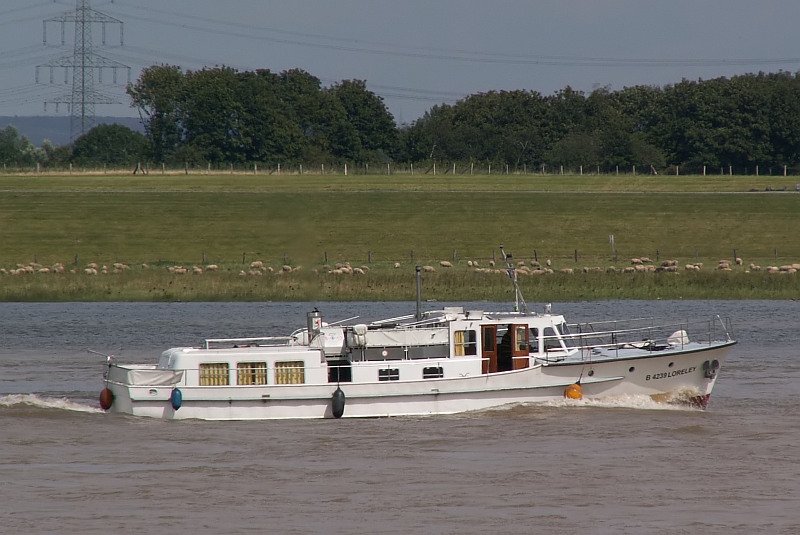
314	319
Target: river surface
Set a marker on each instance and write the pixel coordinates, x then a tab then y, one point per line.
620	466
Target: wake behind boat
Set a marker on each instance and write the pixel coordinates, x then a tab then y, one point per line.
434	362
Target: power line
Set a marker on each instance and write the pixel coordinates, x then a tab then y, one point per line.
460	55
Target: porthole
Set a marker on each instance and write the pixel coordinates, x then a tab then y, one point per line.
630	370
591	373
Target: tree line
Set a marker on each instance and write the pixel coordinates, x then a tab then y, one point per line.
222	116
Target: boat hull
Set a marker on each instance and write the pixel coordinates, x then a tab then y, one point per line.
672	376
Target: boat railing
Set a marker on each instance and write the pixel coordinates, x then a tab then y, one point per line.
625	334
247	342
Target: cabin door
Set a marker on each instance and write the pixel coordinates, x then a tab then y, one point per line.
520	346
489	348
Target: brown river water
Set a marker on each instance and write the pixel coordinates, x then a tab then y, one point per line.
620	466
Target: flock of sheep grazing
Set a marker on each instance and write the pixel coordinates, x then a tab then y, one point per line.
533	267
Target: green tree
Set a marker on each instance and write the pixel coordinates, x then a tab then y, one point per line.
212	116
374	126
158	96
16	150
110	144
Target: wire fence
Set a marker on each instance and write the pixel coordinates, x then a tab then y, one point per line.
423	168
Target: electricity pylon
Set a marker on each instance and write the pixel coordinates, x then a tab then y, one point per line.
83	64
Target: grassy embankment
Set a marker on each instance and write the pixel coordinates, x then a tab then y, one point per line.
377	221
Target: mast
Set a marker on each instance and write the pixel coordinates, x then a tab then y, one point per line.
511	269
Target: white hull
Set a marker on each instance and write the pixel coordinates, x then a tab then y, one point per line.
673	374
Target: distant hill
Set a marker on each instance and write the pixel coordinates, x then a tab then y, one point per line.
37	128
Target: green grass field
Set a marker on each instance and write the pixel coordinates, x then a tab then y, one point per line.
380	220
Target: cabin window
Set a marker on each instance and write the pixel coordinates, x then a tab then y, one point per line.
340	372
551	342
465	343
214	374
566	336
290	372
534	340
520	339
432	372
251	373
389	374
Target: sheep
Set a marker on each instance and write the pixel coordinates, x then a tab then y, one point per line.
548	262
646	260
629	269
256	264
469	263
567	271
90	271
738	261
445	264
428	269
197	270
212	267
491	263
358	271
255	273
397	265
636	261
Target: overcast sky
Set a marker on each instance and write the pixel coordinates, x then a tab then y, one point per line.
414	53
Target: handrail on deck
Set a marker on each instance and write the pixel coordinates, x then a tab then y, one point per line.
209	341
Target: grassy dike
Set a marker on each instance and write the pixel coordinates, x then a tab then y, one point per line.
310	222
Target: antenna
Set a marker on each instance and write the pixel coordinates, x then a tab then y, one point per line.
519	301
84	63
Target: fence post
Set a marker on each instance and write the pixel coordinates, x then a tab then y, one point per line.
345	169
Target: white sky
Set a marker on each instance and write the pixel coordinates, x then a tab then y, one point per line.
414	53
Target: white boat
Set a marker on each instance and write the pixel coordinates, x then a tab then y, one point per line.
435	362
